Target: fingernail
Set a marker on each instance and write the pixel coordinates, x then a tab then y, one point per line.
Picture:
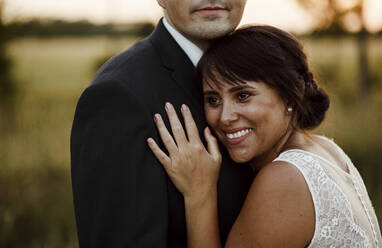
149	141
184	107
208	130
156	117
168	105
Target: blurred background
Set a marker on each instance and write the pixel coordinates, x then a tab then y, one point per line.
51	49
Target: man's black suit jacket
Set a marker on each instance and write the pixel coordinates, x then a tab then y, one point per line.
122	195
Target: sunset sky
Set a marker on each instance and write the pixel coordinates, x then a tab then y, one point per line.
283	13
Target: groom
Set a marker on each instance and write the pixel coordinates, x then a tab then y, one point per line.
122	196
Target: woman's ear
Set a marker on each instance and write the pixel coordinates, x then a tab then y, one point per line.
162	3
289	107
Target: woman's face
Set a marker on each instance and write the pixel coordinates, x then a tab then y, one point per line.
249	119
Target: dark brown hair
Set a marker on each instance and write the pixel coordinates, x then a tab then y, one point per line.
270	55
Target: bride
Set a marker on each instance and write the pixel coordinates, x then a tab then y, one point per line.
260	98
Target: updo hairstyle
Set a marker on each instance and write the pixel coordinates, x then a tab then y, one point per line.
269	55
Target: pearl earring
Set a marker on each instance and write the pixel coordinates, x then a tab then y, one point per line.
290	109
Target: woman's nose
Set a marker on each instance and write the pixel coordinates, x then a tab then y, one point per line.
229	114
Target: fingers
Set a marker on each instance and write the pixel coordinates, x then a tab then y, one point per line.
191	128
212	145
159	154
176	126
168	141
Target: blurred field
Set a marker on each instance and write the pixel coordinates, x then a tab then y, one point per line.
36	208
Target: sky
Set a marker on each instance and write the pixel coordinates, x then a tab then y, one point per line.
285	14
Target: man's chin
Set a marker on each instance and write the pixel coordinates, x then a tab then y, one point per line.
211	29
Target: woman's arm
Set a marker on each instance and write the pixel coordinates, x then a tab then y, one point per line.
194	171
202	222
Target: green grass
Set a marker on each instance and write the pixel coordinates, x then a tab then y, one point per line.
36	208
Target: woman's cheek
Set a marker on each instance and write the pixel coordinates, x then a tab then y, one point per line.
212	116
257	113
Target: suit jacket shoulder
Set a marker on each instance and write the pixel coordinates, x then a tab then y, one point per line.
145	62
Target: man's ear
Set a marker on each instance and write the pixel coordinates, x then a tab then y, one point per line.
162	3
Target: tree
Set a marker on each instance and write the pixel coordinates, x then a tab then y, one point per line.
350	15
7	86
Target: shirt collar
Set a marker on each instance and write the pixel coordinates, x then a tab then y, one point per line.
192	51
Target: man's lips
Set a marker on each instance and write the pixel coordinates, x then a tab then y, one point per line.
211	9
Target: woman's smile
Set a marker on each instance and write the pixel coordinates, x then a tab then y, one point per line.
237	136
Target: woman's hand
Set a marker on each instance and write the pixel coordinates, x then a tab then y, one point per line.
193	169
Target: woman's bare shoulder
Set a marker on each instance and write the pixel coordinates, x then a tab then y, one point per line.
278	211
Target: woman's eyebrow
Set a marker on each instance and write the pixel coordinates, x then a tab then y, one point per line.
210	92
240	87
231	90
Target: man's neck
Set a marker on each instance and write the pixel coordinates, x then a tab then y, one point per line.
192	49
203	44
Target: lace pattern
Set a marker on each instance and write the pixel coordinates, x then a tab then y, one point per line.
335	225
361	188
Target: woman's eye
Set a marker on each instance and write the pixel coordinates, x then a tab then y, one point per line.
213	101
242	96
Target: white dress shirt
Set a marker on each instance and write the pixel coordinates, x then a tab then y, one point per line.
192	51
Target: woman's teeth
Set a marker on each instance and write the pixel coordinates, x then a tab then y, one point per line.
238	134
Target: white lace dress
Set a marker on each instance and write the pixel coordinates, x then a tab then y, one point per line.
344	213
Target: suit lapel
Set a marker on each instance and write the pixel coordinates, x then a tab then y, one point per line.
175	60
183	75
